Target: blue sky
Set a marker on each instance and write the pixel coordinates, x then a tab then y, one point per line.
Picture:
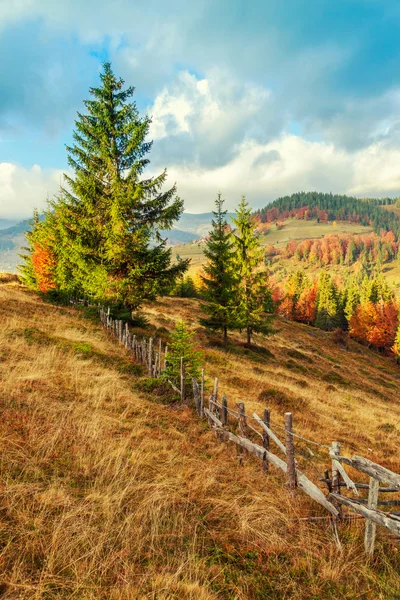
262	98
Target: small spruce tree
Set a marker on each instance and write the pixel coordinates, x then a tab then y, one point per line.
219	279
182	346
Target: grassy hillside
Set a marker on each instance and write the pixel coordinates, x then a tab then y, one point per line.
106	492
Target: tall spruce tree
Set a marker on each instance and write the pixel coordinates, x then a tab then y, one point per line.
220	279
252	286
108	216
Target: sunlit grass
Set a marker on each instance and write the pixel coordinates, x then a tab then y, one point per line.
105	494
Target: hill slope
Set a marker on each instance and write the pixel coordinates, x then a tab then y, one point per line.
107	493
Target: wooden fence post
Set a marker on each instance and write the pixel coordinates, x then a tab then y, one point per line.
267	421
215	393
159	358
150	358
196	395
370	526
182	380
202	394
336	477
224	411
155	366
290	462
242	419
165	357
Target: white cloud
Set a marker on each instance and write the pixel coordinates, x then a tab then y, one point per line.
292	164
203	120
22	190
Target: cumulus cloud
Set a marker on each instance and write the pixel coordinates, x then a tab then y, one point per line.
296	165
22	190
203	120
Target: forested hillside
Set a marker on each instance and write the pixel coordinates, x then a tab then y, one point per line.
333	207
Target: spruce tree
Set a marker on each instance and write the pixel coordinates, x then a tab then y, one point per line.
220	278
329	311
109	214
252	286
181	346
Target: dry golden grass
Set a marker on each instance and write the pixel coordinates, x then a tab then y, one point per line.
108	494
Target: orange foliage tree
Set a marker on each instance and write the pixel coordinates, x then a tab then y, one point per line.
375	324
43	262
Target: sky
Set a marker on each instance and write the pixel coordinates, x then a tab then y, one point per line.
263	98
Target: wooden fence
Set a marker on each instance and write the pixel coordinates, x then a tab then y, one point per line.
248	428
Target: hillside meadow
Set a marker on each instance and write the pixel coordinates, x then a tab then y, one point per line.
107	491
294	229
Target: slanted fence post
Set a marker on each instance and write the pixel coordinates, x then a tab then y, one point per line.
290	461
267	421
370	526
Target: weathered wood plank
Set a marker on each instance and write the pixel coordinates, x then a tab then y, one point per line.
270	433
177	390
391	522
303	482
372	469
349	482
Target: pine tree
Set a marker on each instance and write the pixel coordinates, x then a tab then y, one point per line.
252	282
219	279
328	315
109	216
181	346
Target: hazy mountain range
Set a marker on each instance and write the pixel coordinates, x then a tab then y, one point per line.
12	236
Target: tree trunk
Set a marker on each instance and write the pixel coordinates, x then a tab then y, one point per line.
248	335
225	336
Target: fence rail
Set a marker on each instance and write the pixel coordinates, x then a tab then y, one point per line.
153	354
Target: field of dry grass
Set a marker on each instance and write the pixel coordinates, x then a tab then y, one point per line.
107	493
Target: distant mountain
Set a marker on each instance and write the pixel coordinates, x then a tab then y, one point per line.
5	223
199	224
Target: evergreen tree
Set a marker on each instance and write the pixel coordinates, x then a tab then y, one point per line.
351	298
220	279
108	217
181	346
328	315
252	284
